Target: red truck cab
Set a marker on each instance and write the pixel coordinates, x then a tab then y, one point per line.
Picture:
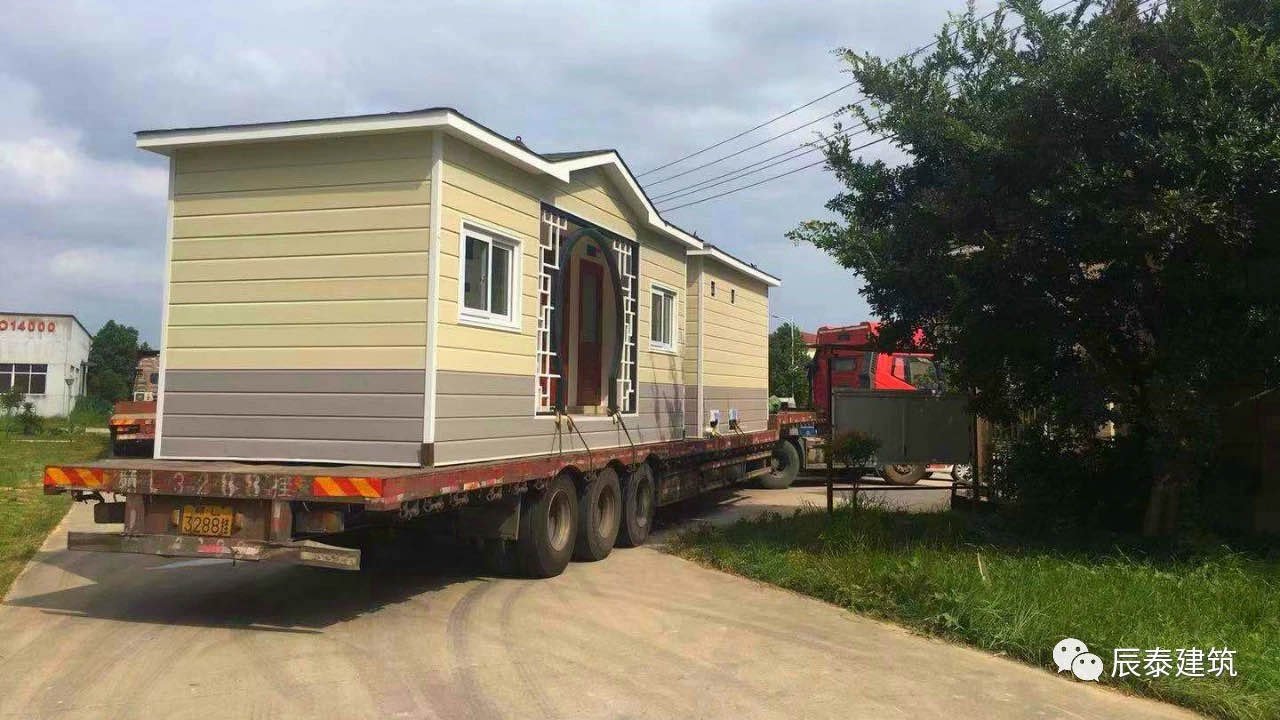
847	356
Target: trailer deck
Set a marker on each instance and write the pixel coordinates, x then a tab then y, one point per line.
376	487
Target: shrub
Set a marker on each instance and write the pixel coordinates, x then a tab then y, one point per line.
11	400
28	421
1054	482
854	448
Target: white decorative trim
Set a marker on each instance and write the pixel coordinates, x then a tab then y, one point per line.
164	310
433	288
674	347
515	281
733	262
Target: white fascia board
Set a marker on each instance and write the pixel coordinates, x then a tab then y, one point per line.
164	141
476	135
736	264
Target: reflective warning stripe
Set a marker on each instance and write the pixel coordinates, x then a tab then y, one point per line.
325	486
73	477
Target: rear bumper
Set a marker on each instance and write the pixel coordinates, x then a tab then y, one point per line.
305	552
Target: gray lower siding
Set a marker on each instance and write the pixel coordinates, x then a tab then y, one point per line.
752	405
484	416
341	416
693	421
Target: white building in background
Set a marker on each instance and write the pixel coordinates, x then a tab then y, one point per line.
45	356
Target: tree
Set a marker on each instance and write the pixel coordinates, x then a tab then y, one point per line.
112	359
1085	223
788	364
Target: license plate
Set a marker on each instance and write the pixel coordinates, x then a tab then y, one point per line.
208	520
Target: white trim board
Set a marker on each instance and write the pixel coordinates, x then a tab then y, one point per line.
162	365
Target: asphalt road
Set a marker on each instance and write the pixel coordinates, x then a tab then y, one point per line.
640	635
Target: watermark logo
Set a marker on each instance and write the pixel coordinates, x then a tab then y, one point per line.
1066	651
1072	654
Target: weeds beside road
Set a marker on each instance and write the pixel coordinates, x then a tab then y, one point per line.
26	513
969	578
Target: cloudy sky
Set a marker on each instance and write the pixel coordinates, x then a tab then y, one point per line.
82	211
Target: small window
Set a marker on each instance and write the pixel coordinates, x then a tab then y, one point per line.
488	277
662	319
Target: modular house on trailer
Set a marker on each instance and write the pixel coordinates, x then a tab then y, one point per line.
414	289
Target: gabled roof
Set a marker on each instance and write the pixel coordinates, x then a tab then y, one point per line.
557	165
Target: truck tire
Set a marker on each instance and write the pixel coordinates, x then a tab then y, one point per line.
903	474
548	526
639	498
599	515
784	466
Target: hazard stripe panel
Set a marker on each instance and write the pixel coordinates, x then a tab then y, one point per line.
324	486
73	477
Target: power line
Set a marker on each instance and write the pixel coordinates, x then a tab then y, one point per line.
1158	4
770	121
771	178
776	118
738	172
766	141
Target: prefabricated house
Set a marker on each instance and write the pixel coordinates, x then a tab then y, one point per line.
415	289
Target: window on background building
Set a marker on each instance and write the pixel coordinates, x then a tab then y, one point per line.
28	378
662	319
488	276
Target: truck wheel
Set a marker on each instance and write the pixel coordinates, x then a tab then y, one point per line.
548	525
784	466
599	514
639	497
903	474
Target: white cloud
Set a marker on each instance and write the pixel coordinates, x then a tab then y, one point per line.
104	271
655	80
37	168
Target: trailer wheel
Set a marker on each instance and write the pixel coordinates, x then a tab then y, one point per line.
599	515
784	466
548	526
639	498
903	474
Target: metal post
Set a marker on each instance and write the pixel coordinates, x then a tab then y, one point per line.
831	442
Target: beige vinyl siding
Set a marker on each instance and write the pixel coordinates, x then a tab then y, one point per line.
735	345
662	261
497	197
485	406
592	197
735	334
692	418
302	254
297	300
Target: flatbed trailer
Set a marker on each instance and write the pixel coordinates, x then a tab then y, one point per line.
530	514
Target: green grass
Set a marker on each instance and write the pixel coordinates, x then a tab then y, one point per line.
1027	593
26	513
